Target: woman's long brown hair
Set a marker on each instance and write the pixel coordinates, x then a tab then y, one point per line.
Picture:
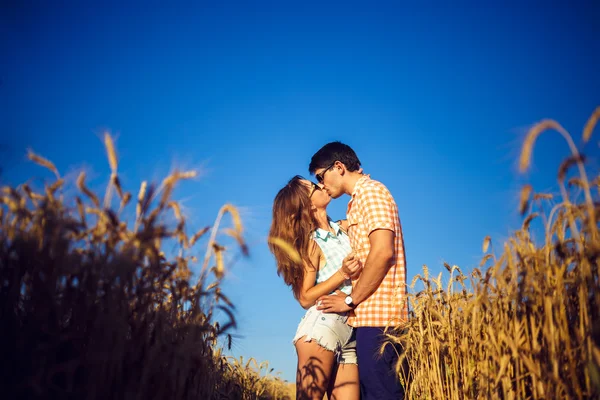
293	222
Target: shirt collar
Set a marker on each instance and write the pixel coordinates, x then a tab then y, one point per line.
359	184
357	187
324	234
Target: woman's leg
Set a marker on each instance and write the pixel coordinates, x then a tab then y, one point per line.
344	383
315	366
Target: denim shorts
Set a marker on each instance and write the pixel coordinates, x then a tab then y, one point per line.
331	332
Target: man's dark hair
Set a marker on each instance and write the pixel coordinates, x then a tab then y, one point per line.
332	152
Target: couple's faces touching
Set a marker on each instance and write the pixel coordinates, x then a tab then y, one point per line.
330	178
318	197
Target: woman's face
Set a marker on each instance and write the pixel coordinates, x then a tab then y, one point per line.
318	197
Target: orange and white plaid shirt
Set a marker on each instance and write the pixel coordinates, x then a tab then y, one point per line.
372	207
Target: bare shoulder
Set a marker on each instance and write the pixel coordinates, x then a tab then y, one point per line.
315	254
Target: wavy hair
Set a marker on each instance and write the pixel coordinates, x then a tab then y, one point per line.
293	222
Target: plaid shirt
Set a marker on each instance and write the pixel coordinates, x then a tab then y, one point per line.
373	207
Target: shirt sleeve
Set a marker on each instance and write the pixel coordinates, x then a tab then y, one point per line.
378	210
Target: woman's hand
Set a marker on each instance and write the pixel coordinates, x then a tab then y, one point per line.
351	266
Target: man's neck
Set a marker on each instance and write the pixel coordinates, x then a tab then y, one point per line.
353	177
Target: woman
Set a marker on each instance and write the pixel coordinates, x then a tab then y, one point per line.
324	343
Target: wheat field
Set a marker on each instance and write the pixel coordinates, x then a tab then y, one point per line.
526	323
92	307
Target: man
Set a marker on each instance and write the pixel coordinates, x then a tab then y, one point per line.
378	298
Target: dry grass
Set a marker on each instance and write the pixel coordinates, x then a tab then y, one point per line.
92	308
257	380
526	324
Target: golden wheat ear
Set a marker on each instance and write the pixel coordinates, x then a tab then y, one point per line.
43	162
505	336
524	198
285	247
591	124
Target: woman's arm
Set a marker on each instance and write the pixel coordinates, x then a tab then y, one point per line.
309	293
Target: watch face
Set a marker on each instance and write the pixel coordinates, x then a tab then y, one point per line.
348	300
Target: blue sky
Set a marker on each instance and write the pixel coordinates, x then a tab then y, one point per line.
434	98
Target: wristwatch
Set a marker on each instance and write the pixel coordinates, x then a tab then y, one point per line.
348	301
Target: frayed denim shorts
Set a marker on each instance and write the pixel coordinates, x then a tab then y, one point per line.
331	332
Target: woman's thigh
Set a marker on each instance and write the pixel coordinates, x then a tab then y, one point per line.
315	367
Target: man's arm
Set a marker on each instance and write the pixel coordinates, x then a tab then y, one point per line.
377	265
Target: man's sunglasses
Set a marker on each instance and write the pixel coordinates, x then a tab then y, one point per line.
321	175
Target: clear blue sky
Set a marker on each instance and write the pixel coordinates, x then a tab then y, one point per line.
434	98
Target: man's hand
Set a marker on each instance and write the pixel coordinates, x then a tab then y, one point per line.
333	303
351	266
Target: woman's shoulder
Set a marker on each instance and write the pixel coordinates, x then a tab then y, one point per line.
315	254
314	249
342	224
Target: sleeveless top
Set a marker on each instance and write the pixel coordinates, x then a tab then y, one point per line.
335	247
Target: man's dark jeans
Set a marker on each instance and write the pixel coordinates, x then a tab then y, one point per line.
377	373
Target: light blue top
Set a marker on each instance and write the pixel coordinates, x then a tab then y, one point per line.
335	248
